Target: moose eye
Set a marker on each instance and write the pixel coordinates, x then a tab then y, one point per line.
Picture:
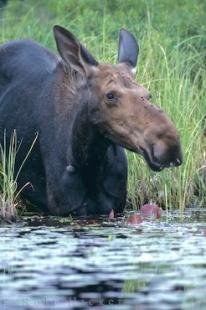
110	96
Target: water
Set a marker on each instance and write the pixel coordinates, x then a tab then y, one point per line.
110	265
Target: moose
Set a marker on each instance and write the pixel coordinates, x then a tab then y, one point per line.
84	114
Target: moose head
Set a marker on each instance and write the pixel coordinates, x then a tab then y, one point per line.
118	106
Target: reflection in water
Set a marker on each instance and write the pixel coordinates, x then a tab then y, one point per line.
158	265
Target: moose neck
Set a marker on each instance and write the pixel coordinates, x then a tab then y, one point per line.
88	145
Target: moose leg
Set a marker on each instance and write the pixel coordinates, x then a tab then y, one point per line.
66	195
114	182
67	192
33	190
37	197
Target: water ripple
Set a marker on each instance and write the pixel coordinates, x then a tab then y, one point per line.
157	265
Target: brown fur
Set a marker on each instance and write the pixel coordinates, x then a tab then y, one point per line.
130	119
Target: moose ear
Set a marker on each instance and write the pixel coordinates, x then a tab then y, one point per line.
87	57
128	48
72	52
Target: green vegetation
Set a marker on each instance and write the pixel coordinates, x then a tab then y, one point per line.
172	37
9	198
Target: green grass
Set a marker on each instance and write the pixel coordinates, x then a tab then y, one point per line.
8	184
9	197
172	37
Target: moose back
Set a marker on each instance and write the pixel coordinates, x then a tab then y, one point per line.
85	113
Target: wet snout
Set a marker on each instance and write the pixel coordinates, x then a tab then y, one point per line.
163	150
166	155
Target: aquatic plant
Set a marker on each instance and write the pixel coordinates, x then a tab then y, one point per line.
9	192
8	184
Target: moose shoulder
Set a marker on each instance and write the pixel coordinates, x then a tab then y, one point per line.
84	113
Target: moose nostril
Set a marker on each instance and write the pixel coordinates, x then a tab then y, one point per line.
166	155
178	162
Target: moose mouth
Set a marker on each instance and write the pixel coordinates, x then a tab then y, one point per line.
151	163
138	150
147	155
174	161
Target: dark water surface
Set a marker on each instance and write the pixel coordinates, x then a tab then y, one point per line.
110	265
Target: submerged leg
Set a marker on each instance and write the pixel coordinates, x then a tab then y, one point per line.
67	195
112	189
34	191
115	178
